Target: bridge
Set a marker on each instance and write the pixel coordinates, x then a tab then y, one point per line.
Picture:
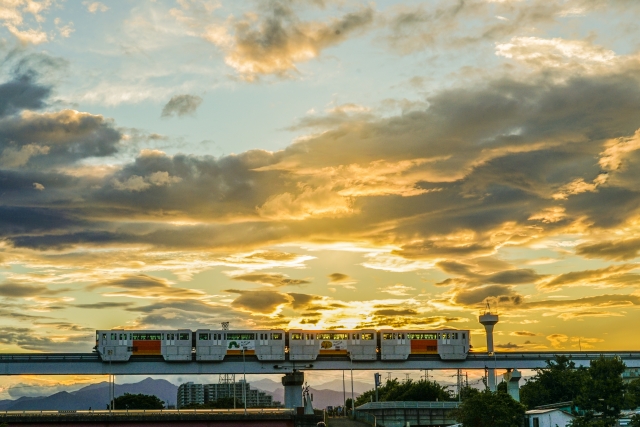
293	372
90	363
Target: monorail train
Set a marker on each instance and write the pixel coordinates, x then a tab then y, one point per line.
208	345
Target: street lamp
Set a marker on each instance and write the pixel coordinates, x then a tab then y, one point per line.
244	385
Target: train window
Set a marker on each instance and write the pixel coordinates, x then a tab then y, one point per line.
104	336
456	335
308	336
296	336
401	336
113	336
387	336
241	336
203	337
324	336
97	336
439	335
147	337
464	336
367	336
276	336
422	336
184	337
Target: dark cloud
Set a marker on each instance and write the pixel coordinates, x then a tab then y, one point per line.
271	279
276	41
524	334
21	290
105	305
617	250
22	93
181	105
259	302
27	339
598	301
508	346
398	312
476	296
43	140
613	275
303	301
143	286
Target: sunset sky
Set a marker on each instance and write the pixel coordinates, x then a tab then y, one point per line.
320	164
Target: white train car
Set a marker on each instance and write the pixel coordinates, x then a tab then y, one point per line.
449	344
118	345
308	345
214	345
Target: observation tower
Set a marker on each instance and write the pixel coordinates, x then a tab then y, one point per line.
488	320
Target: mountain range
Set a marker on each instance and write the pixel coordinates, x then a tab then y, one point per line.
96	396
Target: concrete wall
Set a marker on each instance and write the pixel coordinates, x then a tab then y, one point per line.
551	419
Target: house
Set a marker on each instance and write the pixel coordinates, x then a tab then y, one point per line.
551	417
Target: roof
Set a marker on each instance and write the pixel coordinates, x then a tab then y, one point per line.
546	411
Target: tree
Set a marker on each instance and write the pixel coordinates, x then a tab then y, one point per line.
394	391
138	401
559	381
348	404
602	394
632	396
490	409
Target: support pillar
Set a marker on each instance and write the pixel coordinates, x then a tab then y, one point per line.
293	389
513	383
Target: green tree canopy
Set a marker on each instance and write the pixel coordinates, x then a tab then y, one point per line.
602	394
490	409
138	401
559	381
394	391
632	397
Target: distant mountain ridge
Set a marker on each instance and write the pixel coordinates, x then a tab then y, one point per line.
94	396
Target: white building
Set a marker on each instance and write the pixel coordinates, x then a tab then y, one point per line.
548	418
